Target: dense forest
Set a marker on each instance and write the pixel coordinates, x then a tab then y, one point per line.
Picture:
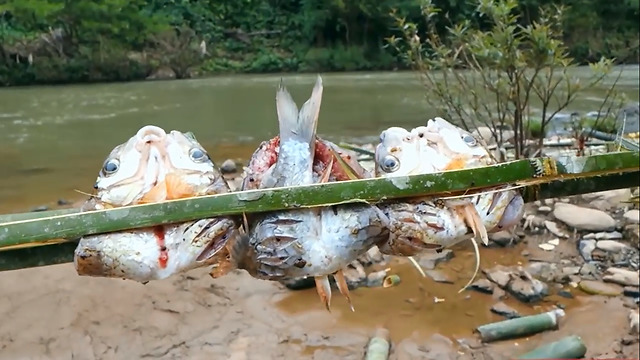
60	41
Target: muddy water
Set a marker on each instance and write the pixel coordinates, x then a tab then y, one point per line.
53	139
411	309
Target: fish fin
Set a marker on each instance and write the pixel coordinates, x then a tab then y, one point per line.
156	194
324	290
343	287
351	173
475	222
287	112
307	121
476	251
177	188
324	177
471	218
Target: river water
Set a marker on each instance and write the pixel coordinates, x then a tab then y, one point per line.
54	139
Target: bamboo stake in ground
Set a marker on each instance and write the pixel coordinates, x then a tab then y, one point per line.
570	347
518	327
379	345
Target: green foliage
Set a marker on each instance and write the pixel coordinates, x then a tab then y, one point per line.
493	68
44	41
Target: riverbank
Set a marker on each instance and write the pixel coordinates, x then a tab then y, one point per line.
553	260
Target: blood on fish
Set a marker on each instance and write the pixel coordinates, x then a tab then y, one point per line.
158	231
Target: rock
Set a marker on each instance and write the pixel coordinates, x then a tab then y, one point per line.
554	229
40	208
622	276
631	291
483	286
431	260
543	270
438	276
63	202
594	287
608	199
502	238
589	270
499	275
604	236
632	233
544	209
505	310
162	73
565	294
611	246
526	288
228	167
355	277
632	216
571	270
498	294
634	321
375	279
586	247
582	218
547	246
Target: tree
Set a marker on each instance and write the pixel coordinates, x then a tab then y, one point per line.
491	68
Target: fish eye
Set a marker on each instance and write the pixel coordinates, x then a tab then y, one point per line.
110	167
197	155
390	164
469	140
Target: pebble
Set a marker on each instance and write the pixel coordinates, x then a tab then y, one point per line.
609	198
431	260
502	238
554	229
565	294
632	216
547	246
571	270
505	310
622	276
544	209
63	202
543	270
586	247
228	167
498	294
634	321
611	246
588	270
40	208
483	286
375	279
526	288
582	218
499	275
438	276
614	235
594	287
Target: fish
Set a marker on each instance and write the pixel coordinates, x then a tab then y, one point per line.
154	166
315	242
428	224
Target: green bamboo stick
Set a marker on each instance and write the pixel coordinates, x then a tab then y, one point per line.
20	258
518	327
570	347
365	190
369	190
378	347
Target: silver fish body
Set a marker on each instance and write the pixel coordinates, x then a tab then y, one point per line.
306	242
155	166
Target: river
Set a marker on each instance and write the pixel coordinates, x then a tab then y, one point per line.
53	139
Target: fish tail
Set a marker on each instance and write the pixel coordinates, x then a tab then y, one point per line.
301	125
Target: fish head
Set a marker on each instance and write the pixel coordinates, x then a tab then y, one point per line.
451	147
154	165
397	154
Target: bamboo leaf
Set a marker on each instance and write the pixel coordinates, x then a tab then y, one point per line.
35	230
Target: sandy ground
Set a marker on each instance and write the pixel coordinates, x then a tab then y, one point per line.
51	313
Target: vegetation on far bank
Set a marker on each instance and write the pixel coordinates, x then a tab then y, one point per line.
61	41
